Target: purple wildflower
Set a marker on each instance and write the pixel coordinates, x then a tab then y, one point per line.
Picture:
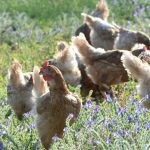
96	109
2	132
137	112
127	133
1	145
110	127
108	111
65	129
39	36
130	119
147	126
116	134
32	126
55	138
91	121
70	116
122	110
114	122
27	114
120	132
137	127
135	14
133	1
83	122
115	99
59	29
134	93
105	121
128	23
102	128
140	107
8	122
88	104
108	141
95	141
131	99
109	99
146	97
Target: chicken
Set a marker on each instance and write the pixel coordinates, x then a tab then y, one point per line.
65	60
72	71
108	36
104	68
87	85
54	107
140	71
101	11
19	89
22	90
102	33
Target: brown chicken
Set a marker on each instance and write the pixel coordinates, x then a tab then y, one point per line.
104	68
54	107
108	36
65	60
73	69
140	71
19	90
101	11
22	90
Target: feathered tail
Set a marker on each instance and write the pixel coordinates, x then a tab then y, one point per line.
40	85
15	74
87	51
102	10
83	47
134	66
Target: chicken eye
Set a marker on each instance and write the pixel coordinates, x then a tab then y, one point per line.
47	69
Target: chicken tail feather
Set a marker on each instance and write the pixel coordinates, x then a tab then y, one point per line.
103	9
15	74
134	66
83	47
40	85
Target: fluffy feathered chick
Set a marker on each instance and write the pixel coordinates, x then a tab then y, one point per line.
54	107
104	68
65	60
108	36
19	89
101	11
141	72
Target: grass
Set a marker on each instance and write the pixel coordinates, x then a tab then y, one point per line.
29	31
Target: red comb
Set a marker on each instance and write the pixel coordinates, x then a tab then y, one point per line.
46	63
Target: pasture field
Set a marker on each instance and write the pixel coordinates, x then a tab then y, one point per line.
29	31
